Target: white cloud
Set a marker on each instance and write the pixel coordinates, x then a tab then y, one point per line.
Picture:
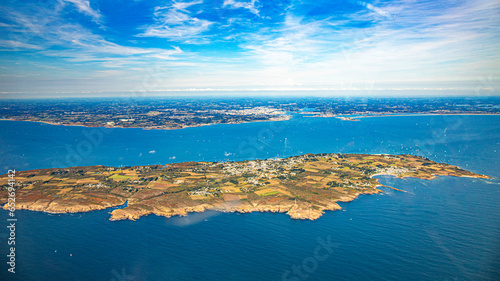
12	44
176	23
408	41
375	9
184	5
83	6
56	37
416	41
294	43
245	5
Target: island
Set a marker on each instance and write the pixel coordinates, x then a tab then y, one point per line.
303	187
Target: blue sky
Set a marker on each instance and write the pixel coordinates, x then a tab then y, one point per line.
80	46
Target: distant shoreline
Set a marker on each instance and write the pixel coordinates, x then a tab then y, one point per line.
423	114
356	118
286	117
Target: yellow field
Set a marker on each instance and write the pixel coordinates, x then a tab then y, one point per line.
40	178
319	165
311	170
160	185
87	181
198	197
315	178
230	188
69	181
268	191
284	191
273	181
122	178
64	191
231	197
264	191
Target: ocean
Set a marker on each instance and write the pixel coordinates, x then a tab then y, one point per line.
444	229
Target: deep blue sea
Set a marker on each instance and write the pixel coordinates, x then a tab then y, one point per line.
444	229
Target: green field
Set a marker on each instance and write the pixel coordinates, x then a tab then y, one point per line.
121	177
269	193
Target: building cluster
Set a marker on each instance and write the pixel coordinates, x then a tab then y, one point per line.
262	169
96	185
205	191
393	170
258	111
268	169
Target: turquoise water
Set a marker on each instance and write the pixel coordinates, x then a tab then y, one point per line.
445	229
